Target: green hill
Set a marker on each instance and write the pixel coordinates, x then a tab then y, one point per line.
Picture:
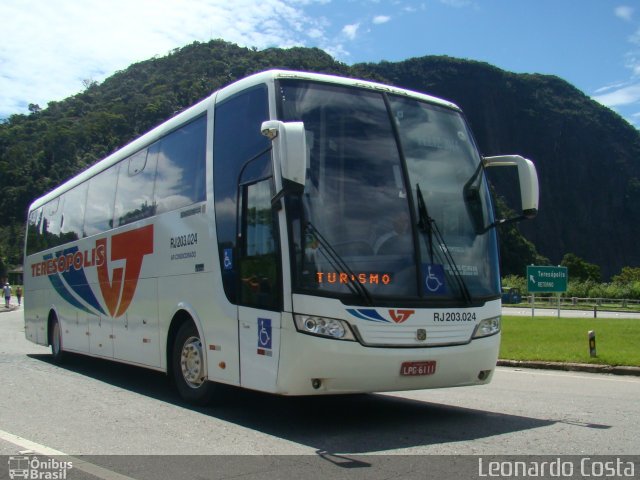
585	154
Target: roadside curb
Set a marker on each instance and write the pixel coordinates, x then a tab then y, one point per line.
572	367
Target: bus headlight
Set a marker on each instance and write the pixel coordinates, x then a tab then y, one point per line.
487	327
324	327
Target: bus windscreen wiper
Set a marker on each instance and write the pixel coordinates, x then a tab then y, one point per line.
336	261
428	225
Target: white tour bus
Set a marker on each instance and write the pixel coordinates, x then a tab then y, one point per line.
293	233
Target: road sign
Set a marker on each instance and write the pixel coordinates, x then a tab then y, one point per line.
547	279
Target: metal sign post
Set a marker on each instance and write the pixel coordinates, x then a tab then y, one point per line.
533	305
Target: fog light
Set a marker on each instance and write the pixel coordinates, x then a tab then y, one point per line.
316	383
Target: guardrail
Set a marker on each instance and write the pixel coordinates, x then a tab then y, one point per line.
577	303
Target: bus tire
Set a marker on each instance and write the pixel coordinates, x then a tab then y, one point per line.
55	339
188	366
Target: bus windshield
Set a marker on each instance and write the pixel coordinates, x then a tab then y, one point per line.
395	199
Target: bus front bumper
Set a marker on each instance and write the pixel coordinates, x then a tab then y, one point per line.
312	365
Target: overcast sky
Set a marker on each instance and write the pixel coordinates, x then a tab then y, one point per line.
49	47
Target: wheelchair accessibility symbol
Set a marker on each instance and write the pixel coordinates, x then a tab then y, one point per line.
434	279
264	333
227	259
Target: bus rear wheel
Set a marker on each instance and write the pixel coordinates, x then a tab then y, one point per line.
188	366
56	341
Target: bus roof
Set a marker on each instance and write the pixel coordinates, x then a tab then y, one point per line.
266	77
271	75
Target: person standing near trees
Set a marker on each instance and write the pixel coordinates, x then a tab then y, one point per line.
19	295
7	294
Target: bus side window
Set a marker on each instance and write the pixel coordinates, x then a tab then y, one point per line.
237	140
180	178
134	196
73	213
51	223
36	241
100	199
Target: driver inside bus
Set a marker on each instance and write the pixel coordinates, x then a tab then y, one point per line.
397	239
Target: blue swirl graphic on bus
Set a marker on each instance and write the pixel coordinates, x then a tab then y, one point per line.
367	314
76	280
59	287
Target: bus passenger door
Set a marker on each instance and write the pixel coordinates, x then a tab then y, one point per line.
260	291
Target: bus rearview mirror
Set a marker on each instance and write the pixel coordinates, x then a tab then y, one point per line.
528	178
290	155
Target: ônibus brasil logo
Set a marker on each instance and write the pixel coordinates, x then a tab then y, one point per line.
66	271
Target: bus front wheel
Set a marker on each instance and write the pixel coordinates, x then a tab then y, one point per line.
188	366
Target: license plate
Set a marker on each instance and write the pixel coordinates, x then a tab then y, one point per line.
411	369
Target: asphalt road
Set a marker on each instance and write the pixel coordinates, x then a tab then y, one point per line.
92	408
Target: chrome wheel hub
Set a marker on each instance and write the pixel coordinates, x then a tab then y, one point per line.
191	362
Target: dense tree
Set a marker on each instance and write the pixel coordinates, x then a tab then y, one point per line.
586	155
580	269
627	276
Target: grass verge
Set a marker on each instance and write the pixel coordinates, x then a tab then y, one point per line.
565	340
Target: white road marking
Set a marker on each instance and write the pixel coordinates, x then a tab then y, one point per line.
78	463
